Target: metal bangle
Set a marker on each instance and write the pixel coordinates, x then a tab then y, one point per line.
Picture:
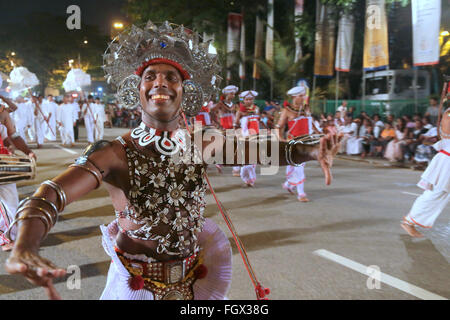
95	174
7	233
47	214
51	204
59	191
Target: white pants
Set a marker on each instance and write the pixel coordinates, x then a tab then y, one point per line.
67	135
248	173
427	208
31	133
98	131
89	129
39	129
9	200
50	134
295	178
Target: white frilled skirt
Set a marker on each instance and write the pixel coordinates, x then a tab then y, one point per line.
216	255
248	173
9	200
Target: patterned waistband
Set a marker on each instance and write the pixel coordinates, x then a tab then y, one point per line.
161	272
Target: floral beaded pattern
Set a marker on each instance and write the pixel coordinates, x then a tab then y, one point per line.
168	194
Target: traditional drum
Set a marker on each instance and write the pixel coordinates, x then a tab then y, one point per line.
16	168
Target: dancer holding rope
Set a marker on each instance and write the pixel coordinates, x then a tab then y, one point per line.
161	245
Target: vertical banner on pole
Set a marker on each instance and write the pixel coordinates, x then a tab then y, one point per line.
298	45
324	41
234	28
259	33
426	19
345	43
376	53
269	32
242	51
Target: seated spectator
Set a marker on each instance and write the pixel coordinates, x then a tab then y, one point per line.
350	131
427	123
386	136
378	125
425	151
410	124
350	112
409	148
354	143
394	149
433	110
367	139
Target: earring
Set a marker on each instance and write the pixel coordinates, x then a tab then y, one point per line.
128	92
192	98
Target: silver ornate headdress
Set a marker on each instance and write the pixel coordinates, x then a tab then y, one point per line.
131	51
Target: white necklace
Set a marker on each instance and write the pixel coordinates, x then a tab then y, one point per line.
163	140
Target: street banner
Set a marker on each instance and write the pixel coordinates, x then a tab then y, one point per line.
298	12
269	32
259	34
324	41
426	18
344	48
376	51
242	52
234	28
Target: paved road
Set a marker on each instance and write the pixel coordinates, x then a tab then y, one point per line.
316	250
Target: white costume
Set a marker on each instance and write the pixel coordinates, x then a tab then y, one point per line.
249	126
100	118
29	129
20	117
350	132
89	121
39	125
9	200
66	116
436	183
354	144
50	107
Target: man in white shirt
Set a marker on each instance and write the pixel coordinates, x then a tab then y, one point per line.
66	119
343	108
88	113
39	120
349	130
20	117
49	108
99	119
378	126
29	113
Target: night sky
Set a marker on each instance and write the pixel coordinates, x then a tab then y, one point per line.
95	12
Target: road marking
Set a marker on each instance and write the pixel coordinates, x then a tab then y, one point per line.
413	194
66	150
385	278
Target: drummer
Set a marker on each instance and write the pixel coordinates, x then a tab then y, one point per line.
9	198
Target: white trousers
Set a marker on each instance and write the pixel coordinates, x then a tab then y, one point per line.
295	179
49	134
89	124
427	208
67	135
248	173
98	131
9	200
39	129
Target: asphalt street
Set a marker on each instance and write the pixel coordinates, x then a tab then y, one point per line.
315	250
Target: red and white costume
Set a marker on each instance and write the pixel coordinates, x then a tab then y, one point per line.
203	116
250	126
436	183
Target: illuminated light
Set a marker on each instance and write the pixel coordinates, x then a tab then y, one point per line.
13	53
99	89
85	42
118	25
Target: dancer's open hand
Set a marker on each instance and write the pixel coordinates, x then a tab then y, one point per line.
39	271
